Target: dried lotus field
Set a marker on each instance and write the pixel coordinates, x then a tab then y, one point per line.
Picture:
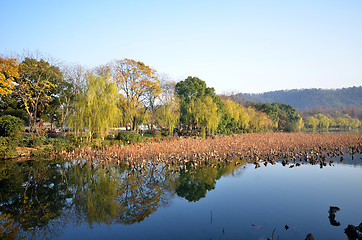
255	147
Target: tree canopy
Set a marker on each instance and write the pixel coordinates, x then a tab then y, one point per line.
139	87
96	109
37	86
9	72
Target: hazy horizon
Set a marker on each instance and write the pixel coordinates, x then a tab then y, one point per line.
302	89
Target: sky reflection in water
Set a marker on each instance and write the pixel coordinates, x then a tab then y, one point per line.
84	202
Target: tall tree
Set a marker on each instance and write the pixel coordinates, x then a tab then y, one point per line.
205	115
168	115
235	116
139	86
72	83
9	72
284	116
36	87
189	91
168	111
96	109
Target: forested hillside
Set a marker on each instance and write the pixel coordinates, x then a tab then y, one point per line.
309	98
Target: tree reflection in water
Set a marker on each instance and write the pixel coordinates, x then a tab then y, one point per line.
39	198
193	185
143	191
33	193
8	229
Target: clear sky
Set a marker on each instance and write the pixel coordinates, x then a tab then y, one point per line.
234	46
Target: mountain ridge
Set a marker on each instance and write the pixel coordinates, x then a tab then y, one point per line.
308	98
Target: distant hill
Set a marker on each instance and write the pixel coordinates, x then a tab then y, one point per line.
309	98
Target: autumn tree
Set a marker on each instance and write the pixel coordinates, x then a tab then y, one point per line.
36	87
139	87
9	72
96	108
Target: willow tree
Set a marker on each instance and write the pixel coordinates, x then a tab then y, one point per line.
312	122
168	114
324	121
234	115
139	86
190	91
211	114
96	108
204	113
259	120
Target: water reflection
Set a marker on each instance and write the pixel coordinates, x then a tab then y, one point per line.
40	199
41	196
332	216
193	185
32	193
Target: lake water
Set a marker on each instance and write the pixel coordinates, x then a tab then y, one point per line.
57	200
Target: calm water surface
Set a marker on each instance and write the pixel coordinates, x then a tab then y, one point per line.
43	200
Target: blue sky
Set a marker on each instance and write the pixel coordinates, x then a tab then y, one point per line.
234	46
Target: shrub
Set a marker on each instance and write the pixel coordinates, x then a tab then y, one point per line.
11	126
11	129
19	113
291	126
7	148
128	137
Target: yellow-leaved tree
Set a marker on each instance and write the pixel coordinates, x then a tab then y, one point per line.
139	86
9	72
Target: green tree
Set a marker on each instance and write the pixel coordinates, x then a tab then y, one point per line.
235	117
96	108
11	129
36	87
192	93
211	114
284	116
324	121
11	126
312	122
168	115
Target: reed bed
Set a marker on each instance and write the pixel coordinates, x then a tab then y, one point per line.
256	147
